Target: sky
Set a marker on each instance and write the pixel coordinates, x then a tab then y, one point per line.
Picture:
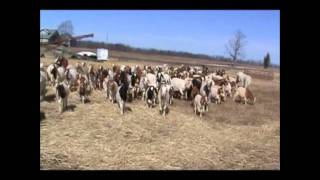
195	31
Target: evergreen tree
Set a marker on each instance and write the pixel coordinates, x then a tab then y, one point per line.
266	61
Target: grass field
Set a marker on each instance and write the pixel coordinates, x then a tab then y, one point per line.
95	135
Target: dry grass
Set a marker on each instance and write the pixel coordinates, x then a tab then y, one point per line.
96	136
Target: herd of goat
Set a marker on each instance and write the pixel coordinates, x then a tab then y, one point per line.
154	85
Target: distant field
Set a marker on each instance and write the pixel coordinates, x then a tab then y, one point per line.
177	60
95	135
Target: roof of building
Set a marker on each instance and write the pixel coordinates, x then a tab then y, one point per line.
47	33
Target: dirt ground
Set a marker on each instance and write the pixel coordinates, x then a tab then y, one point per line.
95	136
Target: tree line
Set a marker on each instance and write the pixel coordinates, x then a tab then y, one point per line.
127	48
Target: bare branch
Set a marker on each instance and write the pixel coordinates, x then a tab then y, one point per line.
66	28
235	46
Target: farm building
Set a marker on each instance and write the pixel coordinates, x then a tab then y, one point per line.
102	54
52	36
48	35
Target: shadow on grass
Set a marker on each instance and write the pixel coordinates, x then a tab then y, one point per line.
42	116
50	98
128	109
71	107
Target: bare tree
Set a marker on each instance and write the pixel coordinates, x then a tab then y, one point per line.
66	28
235	46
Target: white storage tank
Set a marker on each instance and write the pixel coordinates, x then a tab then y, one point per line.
102	54
86	53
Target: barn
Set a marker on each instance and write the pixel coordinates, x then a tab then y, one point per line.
48	35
